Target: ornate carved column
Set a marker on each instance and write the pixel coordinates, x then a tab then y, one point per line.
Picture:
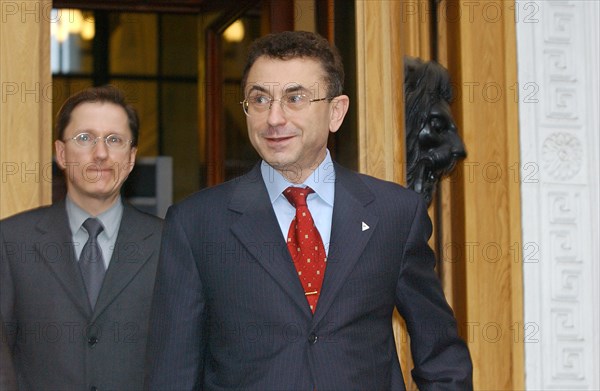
558	83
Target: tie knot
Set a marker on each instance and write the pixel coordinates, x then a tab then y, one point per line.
297	195
93	226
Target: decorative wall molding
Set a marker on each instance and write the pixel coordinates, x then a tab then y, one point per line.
559	131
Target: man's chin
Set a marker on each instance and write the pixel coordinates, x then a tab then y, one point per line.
102	192
282	165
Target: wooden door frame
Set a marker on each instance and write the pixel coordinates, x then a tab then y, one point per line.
215	140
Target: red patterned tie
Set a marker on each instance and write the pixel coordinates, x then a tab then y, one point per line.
306	246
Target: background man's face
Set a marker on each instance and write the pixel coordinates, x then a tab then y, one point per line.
97	172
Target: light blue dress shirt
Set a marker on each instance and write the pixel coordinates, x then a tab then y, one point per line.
320	203
110	219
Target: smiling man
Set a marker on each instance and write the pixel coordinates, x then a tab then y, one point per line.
77	277
290	133
286	278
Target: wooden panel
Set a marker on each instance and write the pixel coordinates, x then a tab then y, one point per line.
380	74
515	237
416	25
379	89
25	106
280	15
304	15
325	18
478	47
450	269
213	99
424	40
482	60
182	6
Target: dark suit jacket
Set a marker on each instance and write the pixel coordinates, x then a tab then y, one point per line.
8	379
57	341
229	311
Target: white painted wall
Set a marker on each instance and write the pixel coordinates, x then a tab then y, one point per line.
558	67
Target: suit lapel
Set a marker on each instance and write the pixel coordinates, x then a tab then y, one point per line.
54	233
257	229
352	226
130	254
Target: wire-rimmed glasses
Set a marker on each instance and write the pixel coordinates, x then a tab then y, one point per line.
258	103
112	141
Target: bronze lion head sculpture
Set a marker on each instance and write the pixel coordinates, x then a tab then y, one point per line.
433	145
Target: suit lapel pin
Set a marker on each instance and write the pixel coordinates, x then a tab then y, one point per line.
365	226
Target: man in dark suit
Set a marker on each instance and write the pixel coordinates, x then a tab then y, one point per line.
76	278
286	278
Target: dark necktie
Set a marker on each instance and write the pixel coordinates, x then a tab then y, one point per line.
91	262
306	246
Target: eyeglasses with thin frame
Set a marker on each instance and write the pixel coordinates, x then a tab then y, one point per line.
112	141
258	103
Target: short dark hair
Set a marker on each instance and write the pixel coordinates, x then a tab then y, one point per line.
108	93
298	44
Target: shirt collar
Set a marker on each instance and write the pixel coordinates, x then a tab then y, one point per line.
322	180
110	218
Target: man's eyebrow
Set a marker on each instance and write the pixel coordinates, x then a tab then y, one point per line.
256	87
294	88
291	89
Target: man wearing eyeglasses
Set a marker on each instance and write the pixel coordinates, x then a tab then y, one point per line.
286	278
76	278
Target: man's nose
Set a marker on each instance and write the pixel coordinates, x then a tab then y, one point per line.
100	148
276	113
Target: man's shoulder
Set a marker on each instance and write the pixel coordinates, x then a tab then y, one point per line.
221	194
207	197
27	217
25	226
376	185
143	217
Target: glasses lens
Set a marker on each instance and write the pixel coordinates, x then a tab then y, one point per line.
84	140
115	141
295	102
258	103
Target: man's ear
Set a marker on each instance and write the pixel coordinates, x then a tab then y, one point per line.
59	147
339	108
